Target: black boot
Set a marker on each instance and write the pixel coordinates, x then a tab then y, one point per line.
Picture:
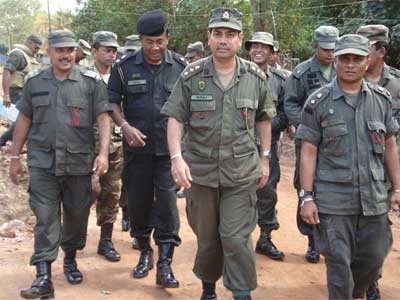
106	246
373	292
125	223
135	244
208	291
146	260
41	287
266	247
312	254
165	276
71	271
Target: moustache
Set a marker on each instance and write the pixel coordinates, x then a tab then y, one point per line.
223	47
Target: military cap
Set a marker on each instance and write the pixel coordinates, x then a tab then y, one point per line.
260	37
276	46
352	44
152	23
61	38
225	17
375	33
84	46
196	48
132	42
34	38
105	38
326	36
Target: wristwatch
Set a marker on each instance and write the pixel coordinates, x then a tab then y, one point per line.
266	153
304	193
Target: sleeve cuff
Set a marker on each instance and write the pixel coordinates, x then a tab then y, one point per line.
308	134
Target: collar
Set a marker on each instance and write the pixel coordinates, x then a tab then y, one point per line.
337	92
73	74
139	59
209	70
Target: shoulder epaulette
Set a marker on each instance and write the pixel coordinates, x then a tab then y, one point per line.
279	73
318	96
254	69
125	57
193	69
91	74
180	59
381	90
301	68
394	72
32	74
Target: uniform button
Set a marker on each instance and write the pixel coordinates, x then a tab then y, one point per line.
331	111
312	101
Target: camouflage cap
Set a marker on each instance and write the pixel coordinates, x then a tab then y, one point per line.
132	42
326	36
196	48
61	39
105	38
276	46
34	38
260	37
352	44
225	17
375	33
84	46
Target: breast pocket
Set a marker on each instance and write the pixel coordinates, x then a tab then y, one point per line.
41	106
245	113
377	131
335	138
79	112
201	112
136	95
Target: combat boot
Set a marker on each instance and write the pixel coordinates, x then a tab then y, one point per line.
165	276
146	260
71	271
208	291
373	292
42	286
106	246
266	247
312	254
125	223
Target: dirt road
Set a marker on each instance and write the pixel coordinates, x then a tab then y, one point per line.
291	279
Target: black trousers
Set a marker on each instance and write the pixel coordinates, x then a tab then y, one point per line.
151	197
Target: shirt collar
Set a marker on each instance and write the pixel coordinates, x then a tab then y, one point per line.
337	92
140	59
73	74
209	70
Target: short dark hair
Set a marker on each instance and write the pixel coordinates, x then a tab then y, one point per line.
380	44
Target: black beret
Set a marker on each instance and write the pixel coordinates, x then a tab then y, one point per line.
153	23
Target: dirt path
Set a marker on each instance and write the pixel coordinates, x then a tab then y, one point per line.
291	279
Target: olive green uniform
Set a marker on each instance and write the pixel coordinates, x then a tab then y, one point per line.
354	234
224	164
60	155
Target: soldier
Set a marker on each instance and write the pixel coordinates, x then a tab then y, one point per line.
142	82
57	111
195	51
347	133
104	51
82	52
132	44
260	48
305	79
220	100
21	60
380	73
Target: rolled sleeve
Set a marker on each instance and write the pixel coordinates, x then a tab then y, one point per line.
101	103
308	134
115	86
266	109
25	104
309	129
392	127
177	105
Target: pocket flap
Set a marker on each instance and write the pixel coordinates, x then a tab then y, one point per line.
78	148
40	101
335	175
81	103
244	149
202	105
378	174
246	103
334	130
136	89
376	126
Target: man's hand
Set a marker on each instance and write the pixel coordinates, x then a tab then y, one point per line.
181	172
265	173
133	136
15	170
395	202
6	100
291	132
309	213
100	165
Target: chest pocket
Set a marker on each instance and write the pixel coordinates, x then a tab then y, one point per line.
41	107
201	112
335	137
245	114
79	113
137	88
377	131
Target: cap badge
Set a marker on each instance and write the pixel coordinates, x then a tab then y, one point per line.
202	85
225	16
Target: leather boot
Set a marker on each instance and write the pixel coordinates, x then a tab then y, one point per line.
125	223
146	260
165	276
71	271
373	292
42	286
266	247
208	291
312	254
106	246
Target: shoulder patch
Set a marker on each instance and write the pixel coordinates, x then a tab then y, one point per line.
301	68
91	74
254	69
193	69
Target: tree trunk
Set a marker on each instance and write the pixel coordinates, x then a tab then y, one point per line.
259	10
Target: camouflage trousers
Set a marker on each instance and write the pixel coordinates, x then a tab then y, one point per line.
107	189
